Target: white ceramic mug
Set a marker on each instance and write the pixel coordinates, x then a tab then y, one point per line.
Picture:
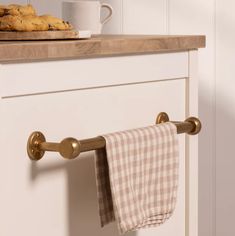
86	15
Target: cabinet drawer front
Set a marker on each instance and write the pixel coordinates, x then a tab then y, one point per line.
43	77
57	197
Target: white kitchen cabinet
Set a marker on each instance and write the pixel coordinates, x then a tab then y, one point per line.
85	98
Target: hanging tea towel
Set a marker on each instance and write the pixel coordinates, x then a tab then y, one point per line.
137	177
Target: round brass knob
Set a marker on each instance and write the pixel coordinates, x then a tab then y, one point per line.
69	148
197	125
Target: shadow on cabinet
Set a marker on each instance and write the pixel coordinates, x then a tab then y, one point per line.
82	207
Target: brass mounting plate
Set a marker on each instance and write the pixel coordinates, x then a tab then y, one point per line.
33	146
162	118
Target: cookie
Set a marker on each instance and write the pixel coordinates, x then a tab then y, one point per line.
2	10
30	23
7	22
23	23
16	21
17	10
55	23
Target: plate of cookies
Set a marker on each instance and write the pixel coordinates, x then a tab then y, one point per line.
21	22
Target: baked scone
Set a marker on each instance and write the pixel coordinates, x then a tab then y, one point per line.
55	23
17	10
23	23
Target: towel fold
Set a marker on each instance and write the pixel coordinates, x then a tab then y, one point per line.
137	177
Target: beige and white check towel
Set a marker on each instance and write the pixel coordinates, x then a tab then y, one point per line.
137	177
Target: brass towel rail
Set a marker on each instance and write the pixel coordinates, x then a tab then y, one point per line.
70	148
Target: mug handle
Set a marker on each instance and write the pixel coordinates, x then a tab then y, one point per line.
107	6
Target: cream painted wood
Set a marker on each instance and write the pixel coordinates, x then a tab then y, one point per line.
199	18
44	77
225	117
192	149
147	17
56	197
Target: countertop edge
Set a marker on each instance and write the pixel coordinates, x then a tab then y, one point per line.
105	46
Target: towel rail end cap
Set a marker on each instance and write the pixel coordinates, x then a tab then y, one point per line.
196	124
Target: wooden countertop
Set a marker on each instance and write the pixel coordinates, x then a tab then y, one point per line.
99	46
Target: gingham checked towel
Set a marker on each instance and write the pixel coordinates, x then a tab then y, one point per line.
137	177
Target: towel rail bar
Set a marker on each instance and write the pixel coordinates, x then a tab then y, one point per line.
70	148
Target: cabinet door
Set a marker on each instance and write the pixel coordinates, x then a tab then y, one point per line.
58	197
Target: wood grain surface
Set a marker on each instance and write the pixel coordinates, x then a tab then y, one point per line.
97	46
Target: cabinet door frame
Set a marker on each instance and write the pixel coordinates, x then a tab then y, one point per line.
191	151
